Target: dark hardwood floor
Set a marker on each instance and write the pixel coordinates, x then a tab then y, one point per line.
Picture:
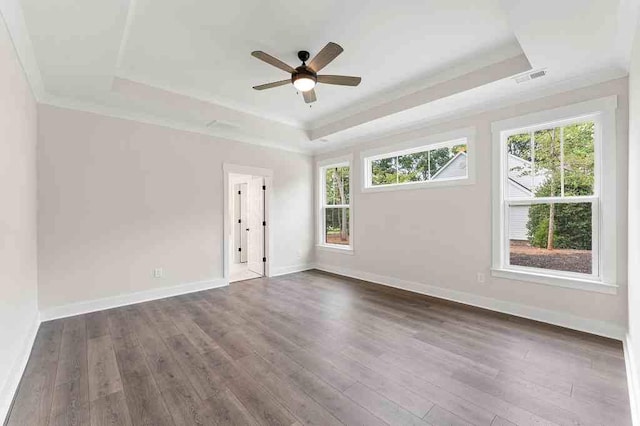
312	348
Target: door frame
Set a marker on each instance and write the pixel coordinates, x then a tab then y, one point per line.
267	174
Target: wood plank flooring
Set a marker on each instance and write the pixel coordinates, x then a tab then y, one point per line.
314	348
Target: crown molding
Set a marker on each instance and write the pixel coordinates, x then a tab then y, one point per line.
114	112
444	73
470	80
13	17
12	14
204	97
408	131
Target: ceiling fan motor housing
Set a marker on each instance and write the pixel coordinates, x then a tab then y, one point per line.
303	72
303	55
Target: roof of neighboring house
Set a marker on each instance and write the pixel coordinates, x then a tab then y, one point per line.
454	167
519	171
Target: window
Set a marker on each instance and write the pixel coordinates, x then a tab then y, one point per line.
439	160
549	193
335	205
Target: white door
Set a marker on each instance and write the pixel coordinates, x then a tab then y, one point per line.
255	225
242	223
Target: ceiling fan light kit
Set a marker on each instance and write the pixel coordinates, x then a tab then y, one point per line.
305	77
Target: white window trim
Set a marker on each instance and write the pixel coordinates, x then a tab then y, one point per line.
345	160
603	111
417	145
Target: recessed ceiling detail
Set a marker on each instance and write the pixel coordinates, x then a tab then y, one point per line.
186	63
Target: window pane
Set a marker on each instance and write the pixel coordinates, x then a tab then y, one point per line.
439	158
456	167
579	159
520	146
383	172
568	225
546	163
413	167
337	185
337	225
521	182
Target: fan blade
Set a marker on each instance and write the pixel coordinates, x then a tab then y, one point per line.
326	55
272	61
309	96
341	80
272	85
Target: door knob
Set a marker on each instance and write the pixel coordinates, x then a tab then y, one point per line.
247	229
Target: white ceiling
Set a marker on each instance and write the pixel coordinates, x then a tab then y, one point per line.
187	63
204	46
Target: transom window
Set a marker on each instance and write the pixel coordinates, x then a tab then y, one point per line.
442	161
335	205
550	218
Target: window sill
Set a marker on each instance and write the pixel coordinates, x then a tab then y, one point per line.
335	248
554	280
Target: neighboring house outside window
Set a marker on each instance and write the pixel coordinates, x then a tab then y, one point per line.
440	160
554	208
519	185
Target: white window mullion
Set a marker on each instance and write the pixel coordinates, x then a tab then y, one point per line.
504	169
323	202
532	141
324	226
397	170
555	200
506	241
595	239
562	161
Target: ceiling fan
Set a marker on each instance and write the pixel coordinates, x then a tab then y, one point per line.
305	77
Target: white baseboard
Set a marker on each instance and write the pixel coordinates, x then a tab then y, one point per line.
79	308
633	381
284	270
600	328
17	369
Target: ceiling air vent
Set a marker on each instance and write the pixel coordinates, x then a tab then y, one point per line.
530	76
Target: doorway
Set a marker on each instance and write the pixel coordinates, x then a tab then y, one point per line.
246	225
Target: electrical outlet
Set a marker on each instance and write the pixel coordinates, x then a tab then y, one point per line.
480	277
158	273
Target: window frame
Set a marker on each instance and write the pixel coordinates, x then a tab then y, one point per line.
421	144
321	167
603	201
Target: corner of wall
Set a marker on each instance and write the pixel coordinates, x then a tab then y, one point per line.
600	328
632	380
72	309
10	388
